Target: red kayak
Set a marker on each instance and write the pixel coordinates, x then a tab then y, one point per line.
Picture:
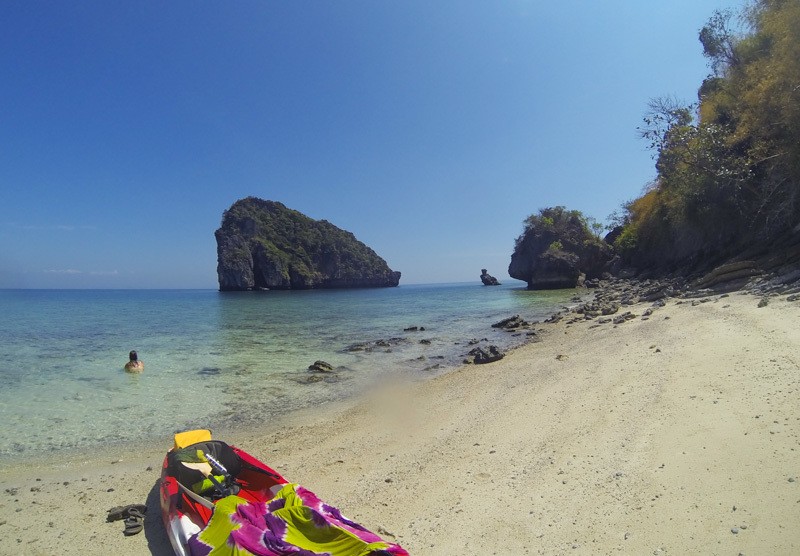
218	498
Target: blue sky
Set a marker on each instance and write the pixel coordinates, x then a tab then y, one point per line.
430	130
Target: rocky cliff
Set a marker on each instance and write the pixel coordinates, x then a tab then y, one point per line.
265	245
555	249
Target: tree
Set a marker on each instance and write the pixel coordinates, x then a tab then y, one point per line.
719	41
664	120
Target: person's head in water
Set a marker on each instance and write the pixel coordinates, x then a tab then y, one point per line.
134	365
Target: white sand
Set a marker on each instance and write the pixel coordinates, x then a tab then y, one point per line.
658	436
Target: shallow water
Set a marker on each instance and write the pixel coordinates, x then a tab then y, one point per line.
221	360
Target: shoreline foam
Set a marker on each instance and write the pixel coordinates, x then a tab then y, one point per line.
677	434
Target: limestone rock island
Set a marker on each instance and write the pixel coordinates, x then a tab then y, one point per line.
265	245
555	249
488	279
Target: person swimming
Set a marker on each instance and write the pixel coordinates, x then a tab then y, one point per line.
134	365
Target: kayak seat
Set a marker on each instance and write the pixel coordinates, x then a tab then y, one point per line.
216	448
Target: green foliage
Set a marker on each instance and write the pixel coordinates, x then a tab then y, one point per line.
560	240
595	226
557	221
729	166
719	41
627	242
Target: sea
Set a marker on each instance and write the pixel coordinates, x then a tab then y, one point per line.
225	360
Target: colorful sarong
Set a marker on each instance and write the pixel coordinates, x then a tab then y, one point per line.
294	523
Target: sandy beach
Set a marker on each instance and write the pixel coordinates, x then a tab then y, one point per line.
678	433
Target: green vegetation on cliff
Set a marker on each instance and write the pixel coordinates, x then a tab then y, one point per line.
728	166
263	244
557	246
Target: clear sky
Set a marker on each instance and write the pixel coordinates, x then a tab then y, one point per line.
429	129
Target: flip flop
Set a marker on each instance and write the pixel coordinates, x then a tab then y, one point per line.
115	513
133	525
121	512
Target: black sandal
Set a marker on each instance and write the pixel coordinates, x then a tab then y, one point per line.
133	525
121	512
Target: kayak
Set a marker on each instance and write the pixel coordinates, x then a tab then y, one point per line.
218	500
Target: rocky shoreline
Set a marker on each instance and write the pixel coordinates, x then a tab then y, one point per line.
608	301
612	295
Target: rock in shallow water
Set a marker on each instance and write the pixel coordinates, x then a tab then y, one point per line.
321	367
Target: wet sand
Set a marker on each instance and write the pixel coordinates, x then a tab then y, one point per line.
675	434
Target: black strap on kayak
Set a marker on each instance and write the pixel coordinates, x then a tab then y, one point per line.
252	467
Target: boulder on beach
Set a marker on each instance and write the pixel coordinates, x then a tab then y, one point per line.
511	323
481	355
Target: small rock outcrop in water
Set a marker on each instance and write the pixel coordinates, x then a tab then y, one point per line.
321	367
265	245
556	249
488	279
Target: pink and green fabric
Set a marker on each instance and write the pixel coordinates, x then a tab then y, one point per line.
294	523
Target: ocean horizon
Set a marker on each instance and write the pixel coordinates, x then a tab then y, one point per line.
224	360
517	284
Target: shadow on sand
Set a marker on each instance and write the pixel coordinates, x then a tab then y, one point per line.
157	539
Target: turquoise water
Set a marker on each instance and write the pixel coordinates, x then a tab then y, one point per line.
221	360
